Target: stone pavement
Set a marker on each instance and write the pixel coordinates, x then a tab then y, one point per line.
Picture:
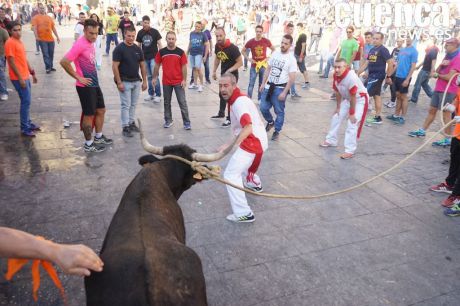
384	244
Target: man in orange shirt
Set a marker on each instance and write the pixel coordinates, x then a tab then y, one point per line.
43	26
20	72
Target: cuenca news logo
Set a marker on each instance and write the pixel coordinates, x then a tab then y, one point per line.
398	19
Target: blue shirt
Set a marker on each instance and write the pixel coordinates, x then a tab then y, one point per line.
197	40
377	62
406	57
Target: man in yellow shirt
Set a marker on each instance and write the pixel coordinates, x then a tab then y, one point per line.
43	27
111	29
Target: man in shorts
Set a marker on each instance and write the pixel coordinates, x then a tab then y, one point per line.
448	67
407	61
380	67
82	54
198	46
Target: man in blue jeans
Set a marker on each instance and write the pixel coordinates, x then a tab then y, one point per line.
150	40
44	28
127	59
428	66
278	79
258	47
20	72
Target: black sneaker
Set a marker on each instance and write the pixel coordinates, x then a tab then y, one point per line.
133	127
275	135
103	140
48	71
226	123
218	117
52	69
269	126
253	188
127	132
377	120
93	148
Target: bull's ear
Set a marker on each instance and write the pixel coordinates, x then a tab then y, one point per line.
147	159
198	177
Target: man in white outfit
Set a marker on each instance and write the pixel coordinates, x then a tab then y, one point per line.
352	102
249	129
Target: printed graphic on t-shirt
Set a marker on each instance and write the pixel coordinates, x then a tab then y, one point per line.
147	40
275	72
222	56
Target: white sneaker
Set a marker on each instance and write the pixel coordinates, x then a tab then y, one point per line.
200	88
3	97
148	98
37	52
243	219
392	105
156	99
192	86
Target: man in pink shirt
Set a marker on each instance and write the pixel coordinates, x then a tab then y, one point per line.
448	67
82	54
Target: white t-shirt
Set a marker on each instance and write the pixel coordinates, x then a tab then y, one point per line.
79	29
281	65
244	107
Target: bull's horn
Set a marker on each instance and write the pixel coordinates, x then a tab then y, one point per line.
202	157
147	146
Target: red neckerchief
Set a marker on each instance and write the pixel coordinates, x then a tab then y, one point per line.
235	95
339	79
226	44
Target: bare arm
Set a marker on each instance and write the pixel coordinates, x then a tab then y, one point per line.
390	66
265	79
238	64
56	34
66	64
73	259
447	76
143	72
184	76
116	75
411	71
245	55
159	44
289	84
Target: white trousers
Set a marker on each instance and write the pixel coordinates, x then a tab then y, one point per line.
351	133
236	172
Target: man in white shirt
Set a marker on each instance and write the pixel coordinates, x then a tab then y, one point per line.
79	27
251	139
352	102
278	79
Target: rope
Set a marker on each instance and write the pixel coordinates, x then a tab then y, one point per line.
443	102
208	173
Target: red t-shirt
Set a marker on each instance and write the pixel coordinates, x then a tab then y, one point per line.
172	61
258	48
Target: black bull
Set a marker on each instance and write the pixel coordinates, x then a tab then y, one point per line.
146	261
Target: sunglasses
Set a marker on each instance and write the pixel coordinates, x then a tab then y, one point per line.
349	32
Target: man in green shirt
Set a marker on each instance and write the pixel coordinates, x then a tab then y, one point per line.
349	47
111	29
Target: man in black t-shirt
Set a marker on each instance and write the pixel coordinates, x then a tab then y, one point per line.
126	61
428	69
300	52
229	57
125	23
149	39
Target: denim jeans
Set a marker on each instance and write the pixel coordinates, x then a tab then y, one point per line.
422	82
329	64
150	67
252	80
25	95
48	53
109	38
206	69
180	95
3	90
277	105
128	100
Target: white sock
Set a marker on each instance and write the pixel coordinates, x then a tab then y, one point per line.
99	135
89	142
